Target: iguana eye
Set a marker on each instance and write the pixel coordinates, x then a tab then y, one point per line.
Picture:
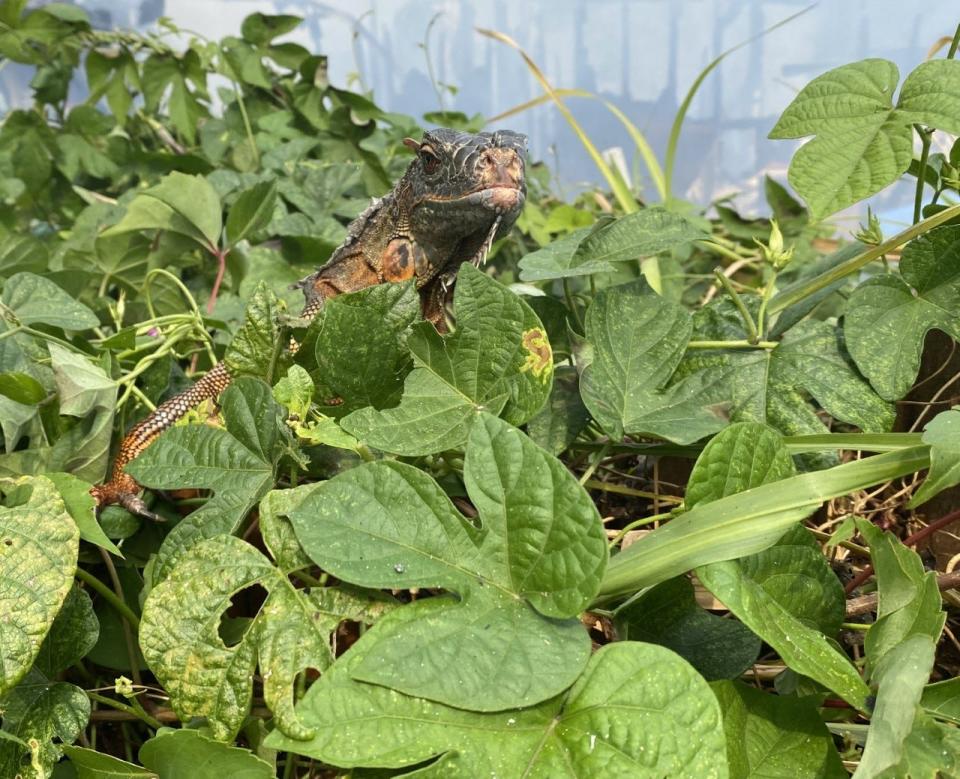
430	160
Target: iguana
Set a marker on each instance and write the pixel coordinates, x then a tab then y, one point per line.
460	193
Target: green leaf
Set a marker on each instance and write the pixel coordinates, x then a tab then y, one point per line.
773	385
451	383
942	433
638	339
942	699
91	764
560	421
583	252
359	347
251	212
804	649
786	594
863	143
668	615
176	754
889	316
930	751
744	456
38	556
260	29
237	464
638	710
203	676
535	562
21	388
188	205
82	507
899	676
40	710
74	633
34	299
85	392
909	598
256	348
775	736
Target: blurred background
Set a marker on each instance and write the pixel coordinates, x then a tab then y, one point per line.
642	55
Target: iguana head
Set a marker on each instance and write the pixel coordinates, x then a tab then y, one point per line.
463	191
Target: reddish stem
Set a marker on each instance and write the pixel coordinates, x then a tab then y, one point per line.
221	255
913	540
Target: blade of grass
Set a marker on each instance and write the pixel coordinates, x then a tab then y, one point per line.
745	523
674	137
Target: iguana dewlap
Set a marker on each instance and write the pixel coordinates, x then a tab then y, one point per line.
460	193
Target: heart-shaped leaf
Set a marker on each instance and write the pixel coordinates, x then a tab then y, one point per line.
533	564
637	710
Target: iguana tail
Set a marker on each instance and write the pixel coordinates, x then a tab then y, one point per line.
122	488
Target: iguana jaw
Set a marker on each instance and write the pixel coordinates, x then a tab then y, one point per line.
501	199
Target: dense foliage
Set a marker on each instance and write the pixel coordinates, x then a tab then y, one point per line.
386	556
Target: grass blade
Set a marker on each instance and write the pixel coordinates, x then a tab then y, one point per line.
674	137
747	522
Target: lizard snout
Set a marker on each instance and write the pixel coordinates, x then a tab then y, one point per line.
501	167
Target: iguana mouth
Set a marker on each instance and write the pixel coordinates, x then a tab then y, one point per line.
500	198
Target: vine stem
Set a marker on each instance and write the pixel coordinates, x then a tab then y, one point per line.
803	290
753	335
954	43
140	714
732	345
110	596
926	133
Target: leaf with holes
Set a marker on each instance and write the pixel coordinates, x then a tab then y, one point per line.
637	710
863	142
39	710
237	464
511	638
38	556
889	316
497	360
203	676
